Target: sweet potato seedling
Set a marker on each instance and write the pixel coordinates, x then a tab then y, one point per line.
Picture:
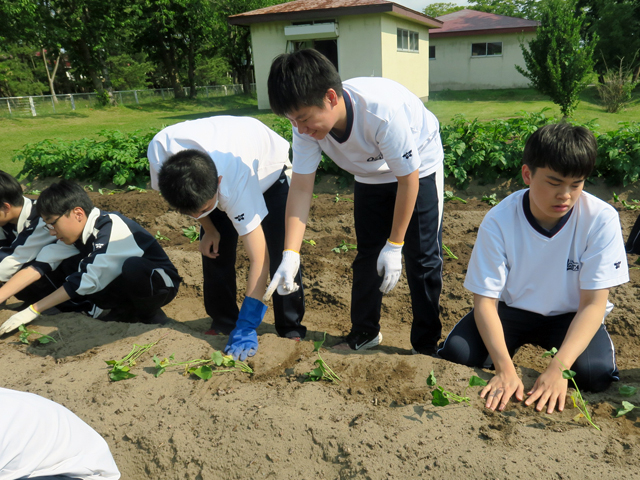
442	397
633	205
203	368
626	391
121	369
160	236
344	247
191	233
578	402
309	242
322	371
449	196
448	251
338	198
26	333
490	199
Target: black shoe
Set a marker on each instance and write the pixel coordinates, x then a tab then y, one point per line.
432	351
159	318
363	340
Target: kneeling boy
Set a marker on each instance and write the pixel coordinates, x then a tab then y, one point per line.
541	269
121	266
229	174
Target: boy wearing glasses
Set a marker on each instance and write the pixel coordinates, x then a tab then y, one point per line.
229	174
121	266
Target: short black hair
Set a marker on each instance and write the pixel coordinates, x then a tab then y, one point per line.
301	79
188	180
62	197
10	190
567	149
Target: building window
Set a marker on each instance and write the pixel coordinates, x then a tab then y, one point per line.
432	51
489	49
407	40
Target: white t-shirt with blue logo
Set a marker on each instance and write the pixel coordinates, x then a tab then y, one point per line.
541	271
389	134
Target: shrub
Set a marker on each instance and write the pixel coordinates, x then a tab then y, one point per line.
616	87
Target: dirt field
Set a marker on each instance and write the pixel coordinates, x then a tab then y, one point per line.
378	423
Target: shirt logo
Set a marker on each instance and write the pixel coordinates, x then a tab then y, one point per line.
98	246
373	159
573	266
407	155
240	217
617	265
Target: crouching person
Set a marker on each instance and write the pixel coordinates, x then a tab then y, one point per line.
540	271
121	267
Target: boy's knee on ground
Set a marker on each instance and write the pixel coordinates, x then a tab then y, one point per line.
457	349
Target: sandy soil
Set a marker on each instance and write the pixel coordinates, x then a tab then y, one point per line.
378	423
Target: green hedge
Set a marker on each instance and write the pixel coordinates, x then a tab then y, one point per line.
472	150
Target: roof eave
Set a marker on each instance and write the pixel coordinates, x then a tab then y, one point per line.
483	31
246	20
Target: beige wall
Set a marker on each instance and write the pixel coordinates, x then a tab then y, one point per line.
454	68
408	68
367	46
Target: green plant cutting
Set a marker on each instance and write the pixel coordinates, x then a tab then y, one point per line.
203	368
121	369
442	397
309	242
491	199
634	205
344	247
160	236
191	233
626	391
449	196
448	251
322	371
578	402
25	333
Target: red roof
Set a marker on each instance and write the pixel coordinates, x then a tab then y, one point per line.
471	22
312	9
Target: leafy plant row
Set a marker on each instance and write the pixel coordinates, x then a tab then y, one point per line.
472	150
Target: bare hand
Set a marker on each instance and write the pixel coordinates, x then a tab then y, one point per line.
209	244
550	389
499	390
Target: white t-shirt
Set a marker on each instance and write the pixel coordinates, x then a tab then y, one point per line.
39	437
389	134
248	155
527	267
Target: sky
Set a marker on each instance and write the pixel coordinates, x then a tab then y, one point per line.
418	5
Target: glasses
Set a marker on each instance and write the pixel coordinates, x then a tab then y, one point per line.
50	227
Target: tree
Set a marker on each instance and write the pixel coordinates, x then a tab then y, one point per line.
558	60
511	8
438	9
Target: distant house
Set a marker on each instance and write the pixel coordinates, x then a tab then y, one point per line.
361	37
478	50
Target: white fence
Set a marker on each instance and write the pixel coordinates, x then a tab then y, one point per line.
46	104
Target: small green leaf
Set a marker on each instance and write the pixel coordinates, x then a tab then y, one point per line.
568	374
204	372
217	357
626	408
439	400
627	390
431	380
159	371
110	362
550	353
475	381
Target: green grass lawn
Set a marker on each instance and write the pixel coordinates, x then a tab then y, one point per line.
15	132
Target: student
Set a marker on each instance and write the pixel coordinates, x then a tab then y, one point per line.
121	266
381	132
42	439
541	269
229	174
21	235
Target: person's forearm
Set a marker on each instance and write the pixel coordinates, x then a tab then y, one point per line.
583	327
406	196
256	248
208	225
490	328
50	301
19	282
297	211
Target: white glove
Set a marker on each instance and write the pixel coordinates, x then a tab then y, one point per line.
283	278
390	265
21	318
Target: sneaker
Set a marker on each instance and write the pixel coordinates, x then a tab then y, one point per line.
213	331
363	340
431	351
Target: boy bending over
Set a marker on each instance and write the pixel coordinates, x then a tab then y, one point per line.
379	131
229	174
541	269
121	266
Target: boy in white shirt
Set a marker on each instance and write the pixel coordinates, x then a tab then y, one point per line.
229	174
541	269
381	132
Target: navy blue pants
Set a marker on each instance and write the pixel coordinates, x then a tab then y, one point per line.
595	368
220	288
373	216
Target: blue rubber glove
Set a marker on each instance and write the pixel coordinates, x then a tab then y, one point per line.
243	340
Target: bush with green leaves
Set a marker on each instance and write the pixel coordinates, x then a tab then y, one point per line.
121	158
